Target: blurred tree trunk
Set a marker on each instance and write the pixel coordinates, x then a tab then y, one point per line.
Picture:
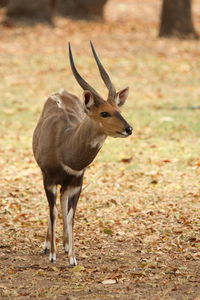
33	11
3	3
82	9
176	19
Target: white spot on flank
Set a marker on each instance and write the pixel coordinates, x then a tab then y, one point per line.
71	171
58	100
62	91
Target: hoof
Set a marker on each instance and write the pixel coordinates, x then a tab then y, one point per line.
46	247
52	257
46	250
66	248
72	261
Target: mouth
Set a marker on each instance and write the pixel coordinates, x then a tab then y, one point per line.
121	134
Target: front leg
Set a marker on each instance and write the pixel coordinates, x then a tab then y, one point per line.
50	242
69	199
48	237
64	207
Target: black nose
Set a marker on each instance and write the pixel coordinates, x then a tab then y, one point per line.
129	130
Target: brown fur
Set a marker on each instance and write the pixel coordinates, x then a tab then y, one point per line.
66	140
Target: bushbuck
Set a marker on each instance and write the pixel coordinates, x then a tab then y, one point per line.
67	138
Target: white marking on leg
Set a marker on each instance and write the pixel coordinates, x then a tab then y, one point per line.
72	259
73	190
66	247
64	205
52	256
69	192
46	245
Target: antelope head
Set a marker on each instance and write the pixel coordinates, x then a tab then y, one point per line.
105	113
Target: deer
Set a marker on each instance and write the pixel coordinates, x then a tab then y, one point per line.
68	136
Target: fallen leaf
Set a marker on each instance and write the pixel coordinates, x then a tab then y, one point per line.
108	231
55	269
78	268
126	160
109	281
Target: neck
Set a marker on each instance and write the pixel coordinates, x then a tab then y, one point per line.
82	145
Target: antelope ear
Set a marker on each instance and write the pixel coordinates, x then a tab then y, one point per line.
122	96
88	100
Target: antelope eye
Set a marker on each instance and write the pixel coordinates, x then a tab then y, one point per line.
105	114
